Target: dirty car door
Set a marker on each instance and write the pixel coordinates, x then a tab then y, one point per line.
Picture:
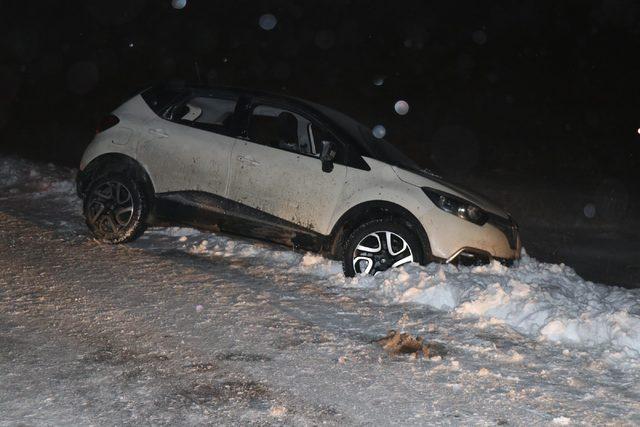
277	170
189	148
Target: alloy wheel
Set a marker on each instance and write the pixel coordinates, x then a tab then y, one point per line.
110	207
379	251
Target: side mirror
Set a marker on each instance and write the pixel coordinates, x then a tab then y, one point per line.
327	155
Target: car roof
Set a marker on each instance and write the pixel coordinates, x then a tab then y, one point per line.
256	93
325	113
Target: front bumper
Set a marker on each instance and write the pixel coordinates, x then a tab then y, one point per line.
509	228
472	256
476	256
457	241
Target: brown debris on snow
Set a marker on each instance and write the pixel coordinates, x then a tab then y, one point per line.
402	343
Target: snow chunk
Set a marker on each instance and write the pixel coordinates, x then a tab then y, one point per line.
562	421
178	232
278	411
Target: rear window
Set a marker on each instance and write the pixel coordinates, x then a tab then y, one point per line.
208	110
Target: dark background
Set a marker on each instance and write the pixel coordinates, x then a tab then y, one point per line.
532	102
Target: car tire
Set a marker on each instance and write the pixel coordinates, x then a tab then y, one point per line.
116	208
374	235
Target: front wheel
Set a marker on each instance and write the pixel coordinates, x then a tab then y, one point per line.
379	245
116	208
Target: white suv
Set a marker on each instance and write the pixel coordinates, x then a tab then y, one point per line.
280	169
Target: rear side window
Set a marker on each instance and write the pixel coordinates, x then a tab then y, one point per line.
159	98
204	112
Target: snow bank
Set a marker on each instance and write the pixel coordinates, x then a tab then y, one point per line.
266	254
548	302
21	176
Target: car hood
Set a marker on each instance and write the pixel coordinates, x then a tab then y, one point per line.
426	179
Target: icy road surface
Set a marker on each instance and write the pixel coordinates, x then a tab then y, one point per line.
185	327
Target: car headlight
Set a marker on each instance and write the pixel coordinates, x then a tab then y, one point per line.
456	206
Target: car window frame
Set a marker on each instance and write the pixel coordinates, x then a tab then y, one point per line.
254	102
232	130
251	110
312	139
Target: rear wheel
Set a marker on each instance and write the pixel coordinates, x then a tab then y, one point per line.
116	208
379	245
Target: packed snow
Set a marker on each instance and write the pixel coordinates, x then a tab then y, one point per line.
535	340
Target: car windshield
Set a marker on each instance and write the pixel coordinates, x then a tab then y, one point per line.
378	148
386	151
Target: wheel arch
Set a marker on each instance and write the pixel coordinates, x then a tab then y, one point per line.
370	210
113	162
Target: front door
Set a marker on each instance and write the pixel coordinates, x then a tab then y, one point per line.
277	170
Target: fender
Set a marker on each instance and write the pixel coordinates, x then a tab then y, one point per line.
370	210
114	162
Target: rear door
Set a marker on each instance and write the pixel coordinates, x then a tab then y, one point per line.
276	168
189	147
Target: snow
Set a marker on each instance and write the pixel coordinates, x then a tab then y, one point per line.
190	325
22	176
546	302
562	421
541	301
178	4
379	131
401	107
267	22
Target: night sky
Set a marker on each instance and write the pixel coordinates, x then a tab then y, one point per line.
538	86
532	91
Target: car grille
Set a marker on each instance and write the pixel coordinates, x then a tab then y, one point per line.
508	227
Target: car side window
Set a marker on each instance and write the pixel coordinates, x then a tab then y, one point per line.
283	129
210	113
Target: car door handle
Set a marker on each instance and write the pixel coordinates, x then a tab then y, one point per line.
248	159
159	132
